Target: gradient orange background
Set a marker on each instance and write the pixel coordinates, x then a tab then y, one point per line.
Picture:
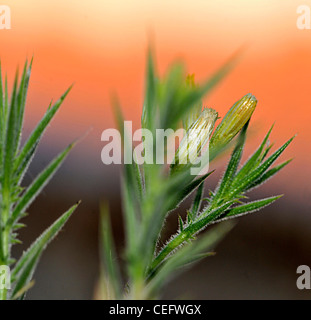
100	46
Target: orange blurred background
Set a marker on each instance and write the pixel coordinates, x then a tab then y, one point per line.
100	46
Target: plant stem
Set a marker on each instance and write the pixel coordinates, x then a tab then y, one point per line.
3	294
171	246
137	290
187	234
5	212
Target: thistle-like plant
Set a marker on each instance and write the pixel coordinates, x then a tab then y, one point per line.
16	198
152	191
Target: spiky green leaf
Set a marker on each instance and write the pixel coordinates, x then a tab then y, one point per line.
108	254
38	184
25	156
25	267
247	208
188	254
195	208
260	170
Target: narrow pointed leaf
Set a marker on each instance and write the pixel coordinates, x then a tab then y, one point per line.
6	98
24	278
25	267
197	202
266	151
25	156
255	174
2	120
38	184
11	138
132	170
130	217
181	224
253	161
1	243
232	166
21	97
150	94
188	254
108	253
1	95
197	94
188	233
268	174
247	208
20	295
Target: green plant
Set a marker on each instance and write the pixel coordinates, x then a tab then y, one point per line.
152	191
14	198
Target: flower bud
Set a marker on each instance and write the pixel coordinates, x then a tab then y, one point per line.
196	138
233	121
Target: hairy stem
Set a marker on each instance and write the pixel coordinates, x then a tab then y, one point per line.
186	235
5	236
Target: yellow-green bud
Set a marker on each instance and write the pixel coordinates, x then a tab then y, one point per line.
196	138
233	121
